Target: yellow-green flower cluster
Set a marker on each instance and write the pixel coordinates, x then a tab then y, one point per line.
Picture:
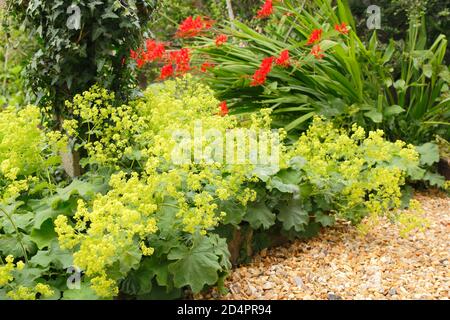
26	293
358	171
19	292
26	151
102	232
6	271
103	130
118	221
21	142
412	219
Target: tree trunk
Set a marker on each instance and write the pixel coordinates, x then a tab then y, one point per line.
444	168
71	163
230	12
71	158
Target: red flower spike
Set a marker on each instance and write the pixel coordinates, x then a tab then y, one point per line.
140	62
155	50
206	66
266	10
191	27
283	60
260	76
221	39
133	54
315	36
223	108
166	71
182	59
316	51
342	28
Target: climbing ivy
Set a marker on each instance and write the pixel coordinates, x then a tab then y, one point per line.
81	42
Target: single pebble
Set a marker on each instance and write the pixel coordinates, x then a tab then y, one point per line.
268	285
299	282
332	296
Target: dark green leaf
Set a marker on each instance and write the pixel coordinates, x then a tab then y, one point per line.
196	266
259	215
293	215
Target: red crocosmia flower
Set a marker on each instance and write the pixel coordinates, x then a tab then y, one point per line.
342	28
133	54
260	76
140	62
315	36
221	39
223	108
283	60
316	51
266	10
166	71
155	50
193	27
206	66
182	59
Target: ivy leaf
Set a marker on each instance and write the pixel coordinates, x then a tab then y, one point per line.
259	215
196	266
429	153
293	215
110	15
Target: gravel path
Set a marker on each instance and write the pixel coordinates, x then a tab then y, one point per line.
340	264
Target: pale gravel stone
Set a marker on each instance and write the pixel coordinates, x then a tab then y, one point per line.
340	262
